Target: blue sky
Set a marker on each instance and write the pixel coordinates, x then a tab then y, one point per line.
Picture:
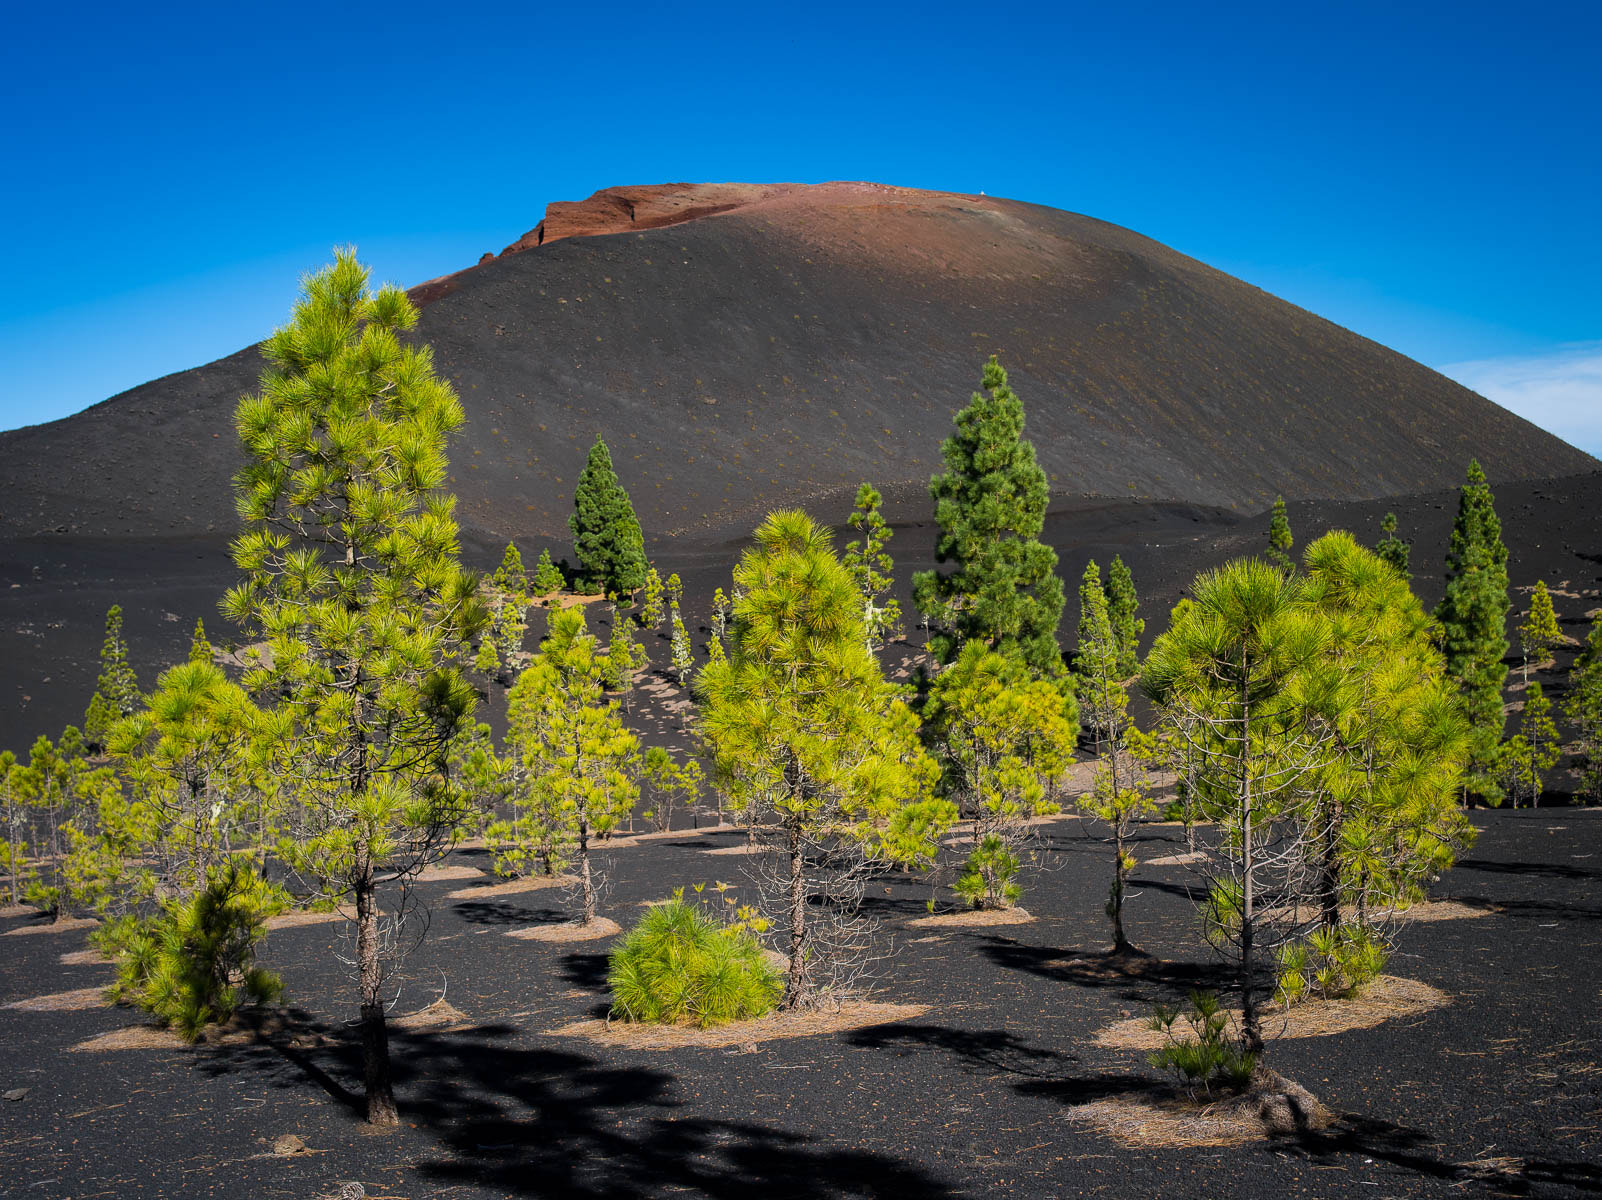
1427	175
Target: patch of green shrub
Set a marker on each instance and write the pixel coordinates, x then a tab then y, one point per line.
681	966
989	878
1206	1057
1332	963
193	964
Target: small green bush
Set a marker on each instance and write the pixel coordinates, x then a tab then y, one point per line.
1333	963
194	963
989	878
680	966
1207	1056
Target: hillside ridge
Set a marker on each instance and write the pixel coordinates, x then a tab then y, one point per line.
742	346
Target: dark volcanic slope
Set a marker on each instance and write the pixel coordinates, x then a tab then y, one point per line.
745	346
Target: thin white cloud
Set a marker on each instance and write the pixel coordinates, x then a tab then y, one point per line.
1560	391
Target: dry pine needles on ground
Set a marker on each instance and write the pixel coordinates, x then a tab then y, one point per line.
810	1022
1386	999
976	918
1273	1106
512	887
77	1000
568	931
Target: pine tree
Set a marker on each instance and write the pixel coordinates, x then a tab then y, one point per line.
574	741
117	687
652	609
98	720
870	565
1116	796
352	578
14	815
506	596
1382	817
1393	549
1122	606
990	505
1280	541
682	659
665	782
1584	708
66	792
1228	676
606	533
1003	739
624	656
548	579
177	861
1473	624
510	576
1095	646
1534	750
806	735
1539	632
720	615
200	650
487	661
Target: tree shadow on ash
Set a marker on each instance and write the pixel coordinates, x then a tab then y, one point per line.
491	912
529	1121
1405	1148
1035	1070
1184	891
893	908
586	970
1549	910
536	1122
1137	977
995	1050
1545	870
1042	1073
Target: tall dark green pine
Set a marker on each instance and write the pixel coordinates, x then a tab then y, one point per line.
990	505
1473	623
606	533
1122	605
1279	536
117	689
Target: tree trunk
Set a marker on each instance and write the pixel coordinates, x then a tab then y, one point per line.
1251	1027
1329	870
375	1035
1115	903
796	987
586	883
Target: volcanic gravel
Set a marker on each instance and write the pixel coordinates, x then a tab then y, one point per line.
973	1098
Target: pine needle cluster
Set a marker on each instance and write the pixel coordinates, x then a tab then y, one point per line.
681	966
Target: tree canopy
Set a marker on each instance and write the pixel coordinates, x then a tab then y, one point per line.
606	533
990	505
